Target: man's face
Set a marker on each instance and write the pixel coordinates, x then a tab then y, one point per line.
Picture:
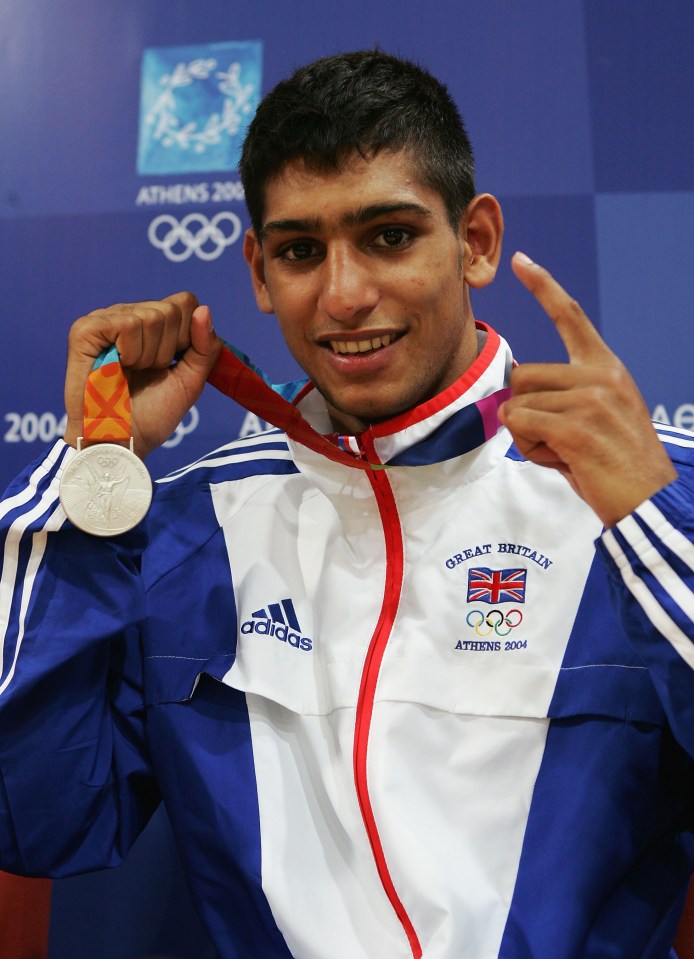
365	276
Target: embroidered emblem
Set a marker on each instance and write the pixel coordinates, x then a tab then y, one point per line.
493	586
278	620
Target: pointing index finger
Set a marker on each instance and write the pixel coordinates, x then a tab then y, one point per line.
582	341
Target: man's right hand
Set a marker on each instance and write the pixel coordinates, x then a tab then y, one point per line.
147	336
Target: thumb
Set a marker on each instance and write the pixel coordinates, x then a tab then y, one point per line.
195	365
205	345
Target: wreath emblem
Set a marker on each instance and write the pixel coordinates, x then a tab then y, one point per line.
171	129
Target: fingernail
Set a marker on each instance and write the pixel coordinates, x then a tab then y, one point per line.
207	318
523	258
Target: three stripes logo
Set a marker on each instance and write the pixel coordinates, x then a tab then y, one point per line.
278	620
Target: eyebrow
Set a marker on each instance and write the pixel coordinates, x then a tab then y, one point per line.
351	219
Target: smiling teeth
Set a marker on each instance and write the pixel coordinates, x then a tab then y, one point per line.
360	346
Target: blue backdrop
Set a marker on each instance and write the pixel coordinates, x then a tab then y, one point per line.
121	123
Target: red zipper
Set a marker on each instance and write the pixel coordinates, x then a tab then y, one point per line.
369	679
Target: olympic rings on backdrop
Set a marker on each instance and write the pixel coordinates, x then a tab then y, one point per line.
194	234
494	621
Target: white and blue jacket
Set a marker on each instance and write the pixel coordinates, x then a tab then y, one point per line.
430	709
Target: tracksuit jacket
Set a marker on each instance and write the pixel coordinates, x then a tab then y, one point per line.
408	699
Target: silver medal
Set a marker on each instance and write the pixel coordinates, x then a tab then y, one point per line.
105	489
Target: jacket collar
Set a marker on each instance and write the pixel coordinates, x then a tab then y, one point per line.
454	422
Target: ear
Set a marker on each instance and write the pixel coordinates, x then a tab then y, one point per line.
253	252
482	228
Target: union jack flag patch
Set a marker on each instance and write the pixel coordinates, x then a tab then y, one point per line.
494	586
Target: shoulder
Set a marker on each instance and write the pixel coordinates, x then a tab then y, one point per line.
260	453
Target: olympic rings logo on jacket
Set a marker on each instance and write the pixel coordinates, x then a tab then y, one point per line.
495	621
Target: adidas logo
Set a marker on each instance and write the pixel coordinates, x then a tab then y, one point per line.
278	620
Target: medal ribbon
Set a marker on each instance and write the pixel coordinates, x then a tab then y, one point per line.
235	376
107	405
106	401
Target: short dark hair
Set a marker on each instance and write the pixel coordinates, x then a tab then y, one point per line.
360	103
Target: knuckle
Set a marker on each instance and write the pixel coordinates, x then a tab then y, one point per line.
517	378
614	380
77	329
152	318
118	308
621	374
86	327
186	300
569	309
574	307
524	378
124	323
513	413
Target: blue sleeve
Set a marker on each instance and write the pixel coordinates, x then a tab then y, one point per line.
650	556
75	782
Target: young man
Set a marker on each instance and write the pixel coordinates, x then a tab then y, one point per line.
404	690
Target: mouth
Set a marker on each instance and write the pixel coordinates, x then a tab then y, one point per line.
351	347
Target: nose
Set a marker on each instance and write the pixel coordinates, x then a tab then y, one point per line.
348	285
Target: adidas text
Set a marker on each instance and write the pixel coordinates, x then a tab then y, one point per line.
266	628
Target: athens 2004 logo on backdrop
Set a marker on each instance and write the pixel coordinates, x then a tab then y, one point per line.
195	105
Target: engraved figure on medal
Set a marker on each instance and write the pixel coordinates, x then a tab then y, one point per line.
105	489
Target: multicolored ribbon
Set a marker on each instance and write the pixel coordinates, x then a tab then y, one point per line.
235	376
107	407
106	401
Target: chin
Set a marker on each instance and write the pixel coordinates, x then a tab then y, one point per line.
356	420
353	407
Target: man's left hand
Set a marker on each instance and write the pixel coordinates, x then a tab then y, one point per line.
585	418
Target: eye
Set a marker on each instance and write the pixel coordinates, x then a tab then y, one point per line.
393	237
297	250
